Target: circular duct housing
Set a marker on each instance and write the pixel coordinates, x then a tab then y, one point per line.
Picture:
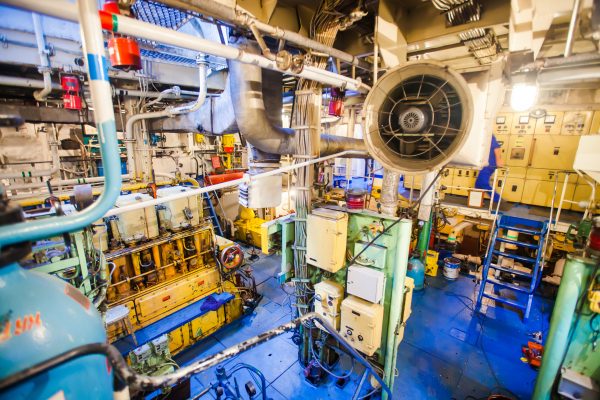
417	117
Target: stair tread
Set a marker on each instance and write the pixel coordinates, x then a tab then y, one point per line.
515	256
508	285
529	231
518	243
504	300
510	271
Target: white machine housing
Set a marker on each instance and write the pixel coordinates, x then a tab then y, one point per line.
328	300
177	214
136	225
326	239
361	324
366	283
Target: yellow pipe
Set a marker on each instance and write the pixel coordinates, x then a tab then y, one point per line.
36	201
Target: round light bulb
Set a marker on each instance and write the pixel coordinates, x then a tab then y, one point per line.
523	96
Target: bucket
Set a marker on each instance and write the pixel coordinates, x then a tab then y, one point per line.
451	268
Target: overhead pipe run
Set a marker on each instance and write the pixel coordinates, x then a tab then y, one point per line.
239	16
131	27
245	82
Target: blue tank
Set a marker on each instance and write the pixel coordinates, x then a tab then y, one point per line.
416	270
41	317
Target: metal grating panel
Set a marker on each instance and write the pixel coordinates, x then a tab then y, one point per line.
159	14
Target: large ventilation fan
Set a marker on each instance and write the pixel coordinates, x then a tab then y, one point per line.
417	117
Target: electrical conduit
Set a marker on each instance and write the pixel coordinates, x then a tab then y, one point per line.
97	66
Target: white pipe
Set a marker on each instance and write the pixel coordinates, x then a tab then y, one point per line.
41	95
592	195
131	27
562	199
168	112
245	179
572	26
62	182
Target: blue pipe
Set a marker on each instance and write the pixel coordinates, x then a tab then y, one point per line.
97	67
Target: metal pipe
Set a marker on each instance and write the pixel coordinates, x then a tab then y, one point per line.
246	179
396	302
389	192
97	68
131	27
572	26
41	95
562	198
168	112
573	283
240	16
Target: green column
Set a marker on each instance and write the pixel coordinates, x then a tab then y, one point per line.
574	281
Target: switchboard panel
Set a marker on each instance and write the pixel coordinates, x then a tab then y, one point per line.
577	122
595	125
503	141
540	193
523	124
582	193
550	124
513	188
326	239
519	148
555	151
361	324
502	124
462	180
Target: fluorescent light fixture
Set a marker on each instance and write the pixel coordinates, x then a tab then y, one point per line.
523	96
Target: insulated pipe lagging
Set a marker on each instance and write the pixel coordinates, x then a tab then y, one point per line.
97	68
40	95
245	82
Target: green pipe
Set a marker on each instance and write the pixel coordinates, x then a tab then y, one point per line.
397	300
574	281
423	242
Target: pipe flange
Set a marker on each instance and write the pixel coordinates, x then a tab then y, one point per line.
297	63
283	60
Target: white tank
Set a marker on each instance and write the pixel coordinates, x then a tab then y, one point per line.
177	214
136	225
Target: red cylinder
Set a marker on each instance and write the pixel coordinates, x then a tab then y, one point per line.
214	179
124	53
111	6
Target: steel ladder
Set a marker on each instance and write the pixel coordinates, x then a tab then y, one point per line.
211	210
537	231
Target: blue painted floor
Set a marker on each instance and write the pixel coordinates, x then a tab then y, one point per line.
447	352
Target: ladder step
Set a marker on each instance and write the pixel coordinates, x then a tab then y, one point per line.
504	300
528	231
515	257
510	286
511	271
517	243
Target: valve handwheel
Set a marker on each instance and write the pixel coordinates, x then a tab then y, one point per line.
232	257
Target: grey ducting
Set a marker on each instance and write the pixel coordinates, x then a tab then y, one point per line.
245	82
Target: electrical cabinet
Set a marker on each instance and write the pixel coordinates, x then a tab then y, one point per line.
577	122
540	192
523	124
582	193
502	124
555	151
513	184
366	283
328	299
550	124
519	148
595	125
462	180
413	181
503	142
326	239
361	324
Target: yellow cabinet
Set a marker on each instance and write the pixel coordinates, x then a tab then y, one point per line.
519	148
540	192
577	122
523	124
502	124
325	226
446	180
463	179
413	181
583	191
550	124
361	324
553	151
503	141
595	125
513	188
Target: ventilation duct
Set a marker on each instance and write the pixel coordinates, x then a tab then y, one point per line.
417	117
